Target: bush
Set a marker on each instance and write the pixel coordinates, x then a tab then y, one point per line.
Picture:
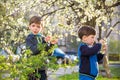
26	64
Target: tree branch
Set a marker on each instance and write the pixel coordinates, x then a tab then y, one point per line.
112	30
114	5
49	13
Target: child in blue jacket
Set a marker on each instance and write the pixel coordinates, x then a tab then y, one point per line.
88	53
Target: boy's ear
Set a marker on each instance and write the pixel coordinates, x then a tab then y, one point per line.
84	37
29	27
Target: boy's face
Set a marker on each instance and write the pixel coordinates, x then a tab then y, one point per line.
35	28
89	39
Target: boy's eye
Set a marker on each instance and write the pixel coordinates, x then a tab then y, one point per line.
33	25
38	26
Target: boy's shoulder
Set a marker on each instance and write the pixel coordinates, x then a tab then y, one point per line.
30	36
82	43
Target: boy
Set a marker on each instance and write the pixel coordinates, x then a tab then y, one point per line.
88	53
34	38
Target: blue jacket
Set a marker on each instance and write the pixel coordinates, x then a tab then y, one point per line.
88	58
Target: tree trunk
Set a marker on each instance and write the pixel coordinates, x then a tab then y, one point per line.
106	66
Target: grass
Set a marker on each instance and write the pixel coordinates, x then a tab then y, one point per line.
115	71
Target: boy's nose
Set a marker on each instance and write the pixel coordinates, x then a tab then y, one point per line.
35	28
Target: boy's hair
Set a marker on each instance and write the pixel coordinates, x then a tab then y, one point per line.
35	19
86	31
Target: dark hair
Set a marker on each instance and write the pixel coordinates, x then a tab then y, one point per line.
35	19
86	31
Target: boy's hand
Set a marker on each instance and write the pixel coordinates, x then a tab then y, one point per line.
54	41
51	40
102	41
104	46
48	38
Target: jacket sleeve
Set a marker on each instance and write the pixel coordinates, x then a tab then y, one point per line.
30	45
100	57
88	51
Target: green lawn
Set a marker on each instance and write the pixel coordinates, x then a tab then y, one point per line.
115	75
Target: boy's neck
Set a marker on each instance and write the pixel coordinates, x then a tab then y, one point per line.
36	34
83	41
86	43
